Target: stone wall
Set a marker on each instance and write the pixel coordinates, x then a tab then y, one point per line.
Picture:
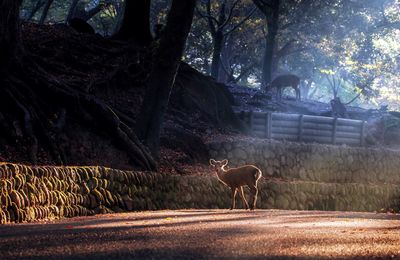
321	177
299	176
46	193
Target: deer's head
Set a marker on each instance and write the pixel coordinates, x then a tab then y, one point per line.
218	166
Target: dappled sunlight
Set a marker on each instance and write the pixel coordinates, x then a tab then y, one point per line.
211	233
180	106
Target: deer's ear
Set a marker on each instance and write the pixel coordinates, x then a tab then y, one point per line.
225	162
212	162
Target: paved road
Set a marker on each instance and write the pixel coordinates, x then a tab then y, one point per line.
204	234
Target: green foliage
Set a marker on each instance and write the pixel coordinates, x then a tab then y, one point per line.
357	42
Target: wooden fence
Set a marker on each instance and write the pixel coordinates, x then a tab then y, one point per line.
305	128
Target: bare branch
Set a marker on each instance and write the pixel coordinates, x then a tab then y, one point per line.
210	19
241	22
203	15
244	72
229	18
285	49
262	5
353	99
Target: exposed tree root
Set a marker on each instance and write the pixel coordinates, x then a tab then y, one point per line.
34	100
71	84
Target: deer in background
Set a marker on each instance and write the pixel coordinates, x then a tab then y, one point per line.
236	178
283	81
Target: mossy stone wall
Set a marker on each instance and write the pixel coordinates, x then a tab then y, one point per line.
319	177
298	176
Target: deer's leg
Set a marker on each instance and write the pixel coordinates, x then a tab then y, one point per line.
233	198
241	194
253	196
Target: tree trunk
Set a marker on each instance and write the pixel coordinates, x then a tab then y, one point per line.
10	45
136	22
216	58
306	86
270	9
71	11
166	62
35	9
45	11
270	41
80	12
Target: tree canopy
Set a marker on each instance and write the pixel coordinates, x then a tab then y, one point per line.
339	49
250	42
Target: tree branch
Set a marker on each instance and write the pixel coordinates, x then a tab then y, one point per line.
262	5
228	19
241	22
210	19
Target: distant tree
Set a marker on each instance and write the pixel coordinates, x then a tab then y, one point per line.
71	10
166	60
136	22
45	11
35	7
240	56
82	12
271	11
220	26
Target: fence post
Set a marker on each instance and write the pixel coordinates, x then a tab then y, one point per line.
300	137
334	130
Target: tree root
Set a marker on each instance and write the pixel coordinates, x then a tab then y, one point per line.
36	96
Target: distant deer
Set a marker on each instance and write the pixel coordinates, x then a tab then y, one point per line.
236	178
283	81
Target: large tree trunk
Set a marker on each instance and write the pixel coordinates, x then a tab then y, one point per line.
136	23
45	11
216	58
10	45
166	62
71	11
270	42
39	4
270	9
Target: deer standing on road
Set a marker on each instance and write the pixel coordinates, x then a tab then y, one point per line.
236	178
283	81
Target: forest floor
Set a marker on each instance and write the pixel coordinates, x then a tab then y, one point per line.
204	234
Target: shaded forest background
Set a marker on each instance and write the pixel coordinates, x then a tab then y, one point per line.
74	97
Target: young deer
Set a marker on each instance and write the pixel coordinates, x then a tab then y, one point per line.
284	81
236	178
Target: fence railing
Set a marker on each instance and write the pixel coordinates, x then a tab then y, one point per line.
305	128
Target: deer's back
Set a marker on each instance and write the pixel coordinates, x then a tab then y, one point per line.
286	80
244	175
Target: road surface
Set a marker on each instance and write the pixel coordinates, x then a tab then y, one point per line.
205	234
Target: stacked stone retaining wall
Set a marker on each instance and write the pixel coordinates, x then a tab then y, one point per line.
30	193
319	177
298	176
